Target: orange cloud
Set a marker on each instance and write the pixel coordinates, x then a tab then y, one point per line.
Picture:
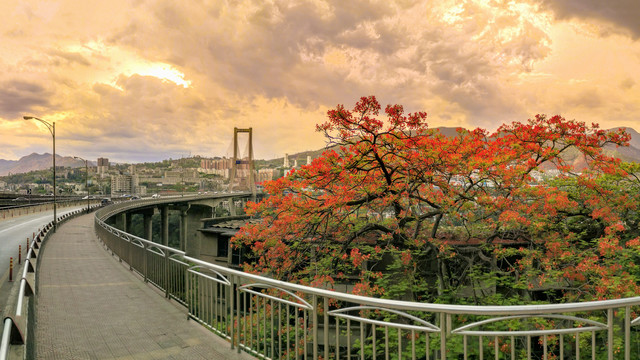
144	81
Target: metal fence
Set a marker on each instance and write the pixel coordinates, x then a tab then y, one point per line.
10	212
18	324
278	320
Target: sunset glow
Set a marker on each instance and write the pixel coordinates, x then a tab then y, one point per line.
144	81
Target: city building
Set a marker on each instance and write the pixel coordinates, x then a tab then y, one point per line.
126	185
103	167
217	166
267	174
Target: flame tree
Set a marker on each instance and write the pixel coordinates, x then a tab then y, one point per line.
397	209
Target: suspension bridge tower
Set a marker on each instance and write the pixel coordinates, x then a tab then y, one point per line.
242	175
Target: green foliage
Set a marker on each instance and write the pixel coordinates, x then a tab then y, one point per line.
37	177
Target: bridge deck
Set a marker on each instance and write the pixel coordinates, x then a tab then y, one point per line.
89	306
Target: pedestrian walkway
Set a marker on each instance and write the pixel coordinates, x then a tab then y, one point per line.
89	306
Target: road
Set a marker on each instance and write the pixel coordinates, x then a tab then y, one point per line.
14	232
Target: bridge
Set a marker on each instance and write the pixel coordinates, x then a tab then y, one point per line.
103	292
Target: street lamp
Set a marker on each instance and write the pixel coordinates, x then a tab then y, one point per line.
52	129
86	178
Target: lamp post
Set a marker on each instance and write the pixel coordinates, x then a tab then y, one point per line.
52	129
86	179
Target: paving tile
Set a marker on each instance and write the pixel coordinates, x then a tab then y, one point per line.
90	306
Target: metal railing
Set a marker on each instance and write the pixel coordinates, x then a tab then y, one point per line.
278	320
125	205
10	212
17	326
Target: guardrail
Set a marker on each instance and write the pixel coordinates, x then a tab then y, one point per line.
20	210
273	319
16	327
121	206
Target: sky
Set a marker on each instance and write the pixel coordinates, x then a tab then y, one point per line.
140	81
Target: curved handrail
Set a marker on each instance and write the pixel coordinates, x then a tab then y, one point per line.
25	289
113	209
400	304
239	281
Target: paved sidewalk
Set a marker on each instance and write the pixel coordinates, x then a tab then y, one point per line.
89	306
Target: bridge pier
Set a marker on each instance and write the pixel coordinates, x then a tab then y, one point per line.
127	221
164	225
123	221
188	236
183	225
192	220
148	224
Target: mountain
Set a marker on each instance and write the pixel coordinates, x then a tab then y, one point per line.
629	154
36	162
5	164
43	161
635	136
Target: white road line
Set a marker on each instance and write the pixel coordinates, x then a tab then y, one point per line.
25	222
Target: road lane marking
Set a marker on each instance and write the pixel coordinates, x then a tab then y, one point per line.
30	221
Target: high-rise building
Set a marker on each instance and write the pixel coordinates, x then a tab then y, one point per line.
126	185
103	167
286	161
218	166
267	174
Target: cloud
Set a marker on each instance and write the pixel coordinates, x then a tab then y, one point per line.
70	57
19	96
622	14
589	98
627	83
294	58
313	56
148	77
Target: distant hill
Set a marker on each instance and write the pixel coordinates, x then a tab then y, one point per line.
43	161
36	162
630	153
635	136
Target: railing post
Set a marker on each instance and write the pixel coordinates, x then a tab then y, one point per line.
314	334
325	332
144	262
239	311
187	292
230	293
627	333
610	334
166	273
443	336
